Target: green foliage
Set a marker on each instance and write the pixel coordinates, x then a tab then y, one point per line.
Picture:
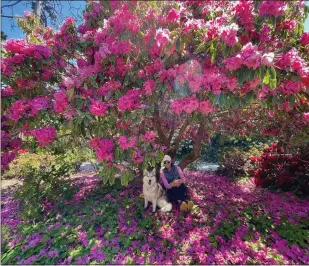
295	234
258	220
235	162
20	166
5	237
226	229
45	179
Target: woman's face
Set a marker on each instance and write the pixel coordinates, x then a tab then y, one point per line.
167	164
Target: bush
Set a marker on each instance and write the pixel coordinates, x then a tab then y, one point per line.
235	162
46	184
20	166
276	169
43	178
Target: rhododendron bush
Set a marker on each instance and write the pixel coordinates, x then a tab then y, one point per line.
136	77
276	169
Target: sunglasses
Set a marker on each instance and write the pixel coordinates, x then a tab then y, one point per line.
166	162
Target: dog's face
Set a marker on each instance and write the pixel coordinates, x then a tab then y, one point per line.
149	177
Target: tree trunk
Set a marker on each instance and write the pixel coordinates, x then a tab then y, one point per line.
38	8
192	156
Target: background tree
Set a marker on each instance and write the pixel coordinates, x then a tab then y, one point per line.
51	12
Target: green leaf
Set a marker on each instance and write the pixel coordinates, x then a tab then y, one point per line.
292	100
242	75
252	74
93	82
237	101
211	97
266	79
216	98
112	180
222	99
178	45
106	176
117	153
273	78
275	99
249	96
201	47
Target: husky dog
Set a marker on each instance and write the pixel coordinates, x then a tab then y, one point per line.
153	192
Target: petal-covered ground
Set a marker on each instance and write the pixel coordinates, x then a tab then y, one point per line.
231	223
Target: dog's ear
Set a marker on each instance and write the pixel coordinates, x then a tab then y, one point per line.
145	172
153	171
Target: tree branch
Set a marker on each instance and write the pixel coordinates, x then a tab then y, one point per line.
171	135
192	156
157	124
181	131
11	5
4	16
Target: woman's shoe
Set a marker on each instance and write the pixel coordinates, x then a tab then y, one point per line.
190	205
183	207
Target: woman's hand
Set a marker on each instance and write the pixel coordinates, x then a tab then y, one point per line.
177	183
174	183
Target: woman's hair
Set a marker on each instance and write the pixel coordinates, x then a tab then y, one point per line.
172	164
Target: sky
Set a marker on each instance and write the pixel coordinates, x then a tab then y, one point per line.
15	32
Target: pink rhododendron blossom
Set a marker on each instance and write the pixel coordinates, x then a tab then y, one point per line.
288	25
275	8
15	45
187	104
287	107
68	82
205	107
17	110
126	143
149	136
251	57
137	157
98	108
7	91
47	74
265	33
61	101
6	158
304	40
244	10
104	149
229	34
233	63
172	15
267	59
109	87
129	101
306	117
44	135
149	86
37	104
195	81
292	60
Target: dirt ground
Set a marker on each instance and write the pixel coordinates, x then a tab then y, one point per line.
8	183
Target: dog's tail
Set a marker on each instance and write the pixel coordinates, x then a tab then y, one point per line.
167	207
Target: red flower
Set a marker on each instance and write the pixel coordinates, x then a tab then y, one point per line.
305	80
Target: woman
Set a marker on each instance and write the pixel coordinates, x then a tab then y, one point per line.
174	182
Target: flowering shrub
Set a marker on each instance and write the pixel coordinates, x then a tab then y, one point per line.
174	69
276	169
235	162
45	182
